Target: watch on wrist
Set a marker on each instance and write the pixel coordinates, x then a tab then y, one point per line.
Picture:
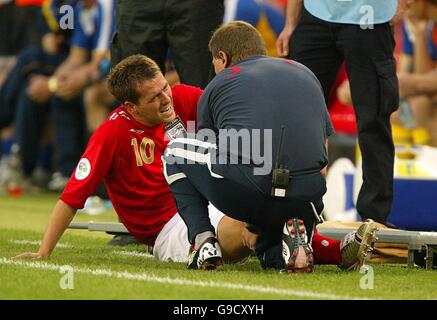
53	84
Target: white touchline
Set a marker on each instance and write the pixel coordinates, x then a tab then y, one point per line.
38	243
65	245
179	281
133	254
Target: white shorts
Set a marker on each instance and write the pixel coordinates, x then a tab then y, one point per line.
172	244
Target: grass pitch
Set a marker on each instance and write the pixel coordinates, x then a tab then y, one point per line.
99	271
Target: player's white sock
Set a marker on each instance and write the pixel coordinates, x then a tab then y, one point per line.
202	237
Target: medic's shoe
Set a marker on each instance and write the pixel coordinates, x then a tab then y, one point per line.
357	246
208	256
295	247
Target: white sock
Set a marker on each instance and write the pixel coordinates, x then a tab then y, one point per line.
202	237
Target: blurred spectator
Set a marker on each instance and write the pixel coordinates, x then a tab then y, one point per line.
417	117
94	25
18	25
16	106
266	16
153	27
18	29
27	16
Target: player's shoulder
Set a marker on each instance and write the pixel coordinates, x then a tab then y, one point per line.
185	90
185	97
115	123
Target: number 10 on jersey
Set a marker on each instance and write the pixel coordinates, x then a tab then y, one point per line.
143	153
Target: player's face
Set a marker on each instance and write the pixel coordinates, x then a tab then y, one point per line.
155	104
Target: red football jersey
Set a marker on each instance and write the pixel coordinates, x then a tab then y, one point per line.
127	155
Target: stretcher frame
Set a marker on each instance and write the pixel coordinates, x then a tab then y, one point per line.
416	240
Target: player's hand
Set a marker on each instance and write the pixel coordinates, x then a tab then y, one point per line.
403	6
417	26
38	89
71	86
344	93
407	85
30	255
282	43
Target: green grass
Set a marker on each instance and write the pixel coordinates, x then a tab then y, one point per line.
25	218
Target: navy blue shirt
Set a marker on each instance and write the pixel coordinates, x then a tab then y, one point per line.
265	93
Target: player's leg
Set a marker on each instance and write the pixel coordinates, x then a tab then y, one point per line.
238	243
233	238
98	104
69	138
194	184
172	243
351	252
29	121
326	250
422	109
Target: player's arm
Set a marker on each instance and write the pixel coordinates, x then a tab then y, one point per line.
406	56
84	75
93	70
403	6
292	16
98	55
59	221
77	57
100	42
79	51
418	84
422	60
95	163
405	63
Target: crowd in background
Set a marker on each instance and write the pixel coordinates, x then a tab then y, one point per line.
53	93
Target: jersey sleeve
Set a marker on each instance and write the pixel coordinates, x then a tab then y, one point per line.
98	161
79	39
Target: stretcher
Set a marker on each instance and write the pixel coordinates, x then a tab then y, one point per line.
415	240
